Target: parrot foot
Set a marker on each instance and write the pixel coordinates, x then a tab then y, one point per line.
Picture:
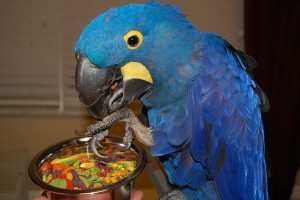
173	195
93	129
142	133
133	124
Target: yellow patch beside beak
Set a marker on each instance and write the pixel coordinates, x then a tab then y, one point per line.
135	70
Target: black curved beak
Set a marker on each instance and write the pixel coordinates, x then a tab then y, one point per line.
93	85
102	90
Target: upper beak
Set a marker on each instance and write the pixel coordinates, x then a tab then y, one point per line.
103	90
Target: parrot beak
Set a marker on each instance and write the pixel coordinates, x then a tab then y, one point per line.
103	90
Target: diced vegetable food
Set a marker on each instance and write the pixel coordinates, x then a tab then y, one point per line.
75	169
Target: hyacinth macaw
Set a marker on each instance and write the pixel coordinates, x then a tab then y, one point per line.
201	100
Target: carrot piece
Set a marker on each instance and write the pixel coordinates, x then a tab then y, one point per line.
59	167
45	166
85	159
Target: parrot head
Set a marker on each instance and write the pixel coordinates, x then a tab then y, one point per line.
132	52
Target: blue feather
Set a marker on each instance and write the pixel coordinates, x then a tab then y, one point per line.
200	144
187	171
203	106
218	158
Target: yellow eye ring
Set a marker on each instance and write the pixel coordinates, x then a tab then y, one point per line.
133	39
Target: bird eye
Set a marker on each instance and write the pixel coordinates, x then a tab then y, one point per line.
133	39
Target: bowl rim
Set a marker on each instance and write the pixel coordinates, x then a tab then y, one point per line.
46	153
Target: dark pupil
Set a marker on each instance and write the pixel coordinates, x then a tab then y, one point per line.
133	40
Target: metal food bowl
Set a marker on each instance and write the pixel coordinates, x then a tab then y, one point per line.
120	190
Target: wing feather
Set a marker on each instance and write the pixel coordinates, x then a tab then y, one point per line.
216	146
229	140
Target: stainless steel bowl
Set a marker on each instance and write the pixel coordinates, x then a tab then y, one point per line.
120	190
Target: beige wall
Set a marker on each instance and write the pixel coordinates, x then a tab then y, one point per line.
36	132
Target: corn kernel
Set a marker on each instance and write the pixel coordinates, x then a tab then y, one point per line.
69	176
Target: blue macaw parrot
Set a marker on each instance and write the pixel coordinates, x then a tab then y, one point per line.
201	100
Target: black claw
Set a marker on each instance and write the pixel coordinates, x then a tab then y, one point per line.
125	148
94	148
